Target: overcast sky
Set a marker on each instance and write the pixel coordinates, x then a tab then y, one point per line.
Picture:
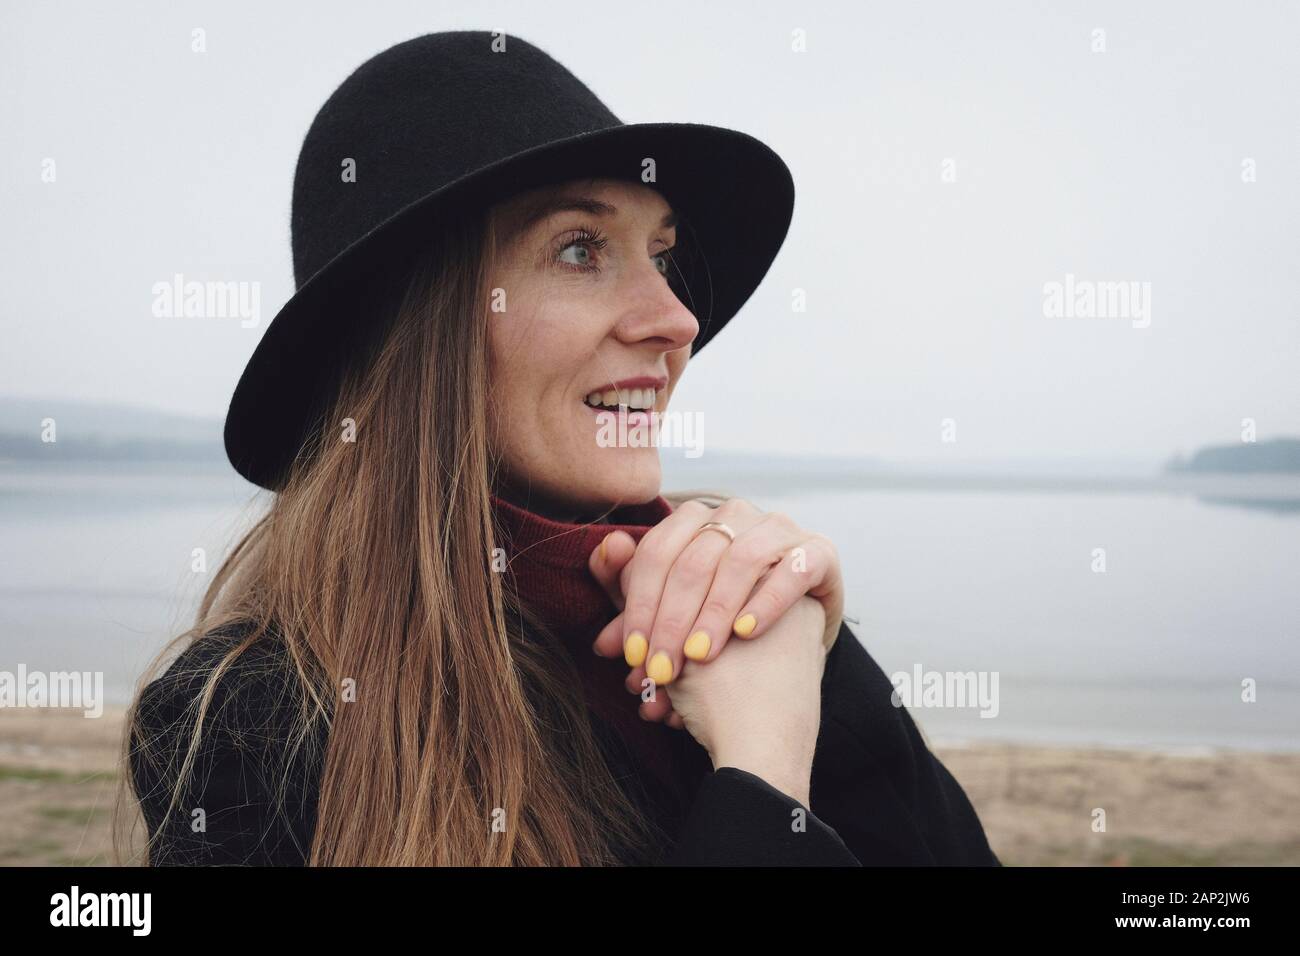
925	298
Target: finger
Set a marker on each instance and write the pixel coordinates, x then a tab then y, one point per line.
809	568
675	721
648	571
683	595
635	682
655	703
609	642
607	561
829	590
657	709
752	555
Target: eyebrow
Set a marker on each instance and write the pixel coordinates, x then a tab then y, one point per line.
595	207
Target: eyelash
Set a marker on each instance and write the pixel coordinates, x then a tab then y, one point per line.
587	236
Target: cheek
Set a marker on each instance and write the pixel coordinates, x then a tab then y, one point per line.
542	352
537	328
538	356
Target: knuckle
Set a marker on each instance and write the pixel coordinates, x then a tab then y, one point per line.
751	552
695	506
653	552
714	609
668	633
825	544
731	507
768	601
738	508
732	566
781	520
803	559
638	611
697	563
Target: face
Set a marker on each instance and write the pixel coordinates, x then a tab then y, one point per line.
589	315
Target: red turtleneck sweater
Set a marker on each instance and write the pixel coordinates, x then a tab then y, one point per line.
548	569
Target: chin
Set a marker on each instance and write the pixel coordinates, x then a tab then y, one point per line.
631	482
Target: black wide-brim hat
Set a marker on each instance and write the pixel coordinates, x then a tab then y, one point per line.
455	122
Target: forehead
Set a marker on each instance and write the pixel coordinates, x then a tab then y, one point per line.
601	197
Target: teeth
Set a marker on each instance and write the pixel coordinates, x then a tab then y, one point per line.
640	398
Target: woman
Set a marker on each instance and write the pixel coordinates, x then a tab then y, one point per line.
395	666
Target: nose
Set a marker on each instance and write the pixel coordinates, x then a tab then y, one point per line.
654	313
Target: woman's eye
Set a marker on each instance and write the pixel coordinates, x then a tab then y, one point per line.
582	257
582	252
664	262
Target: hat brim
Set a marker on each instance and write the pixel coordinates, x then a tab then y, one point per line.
735	192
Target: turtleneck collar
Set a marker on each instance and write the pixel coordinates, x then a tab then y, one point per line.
547	565
564	544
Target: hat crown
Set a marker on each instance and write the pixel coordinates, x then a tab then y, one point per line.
418	116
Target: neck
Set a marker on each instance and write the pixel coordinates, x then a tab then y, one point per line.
554	509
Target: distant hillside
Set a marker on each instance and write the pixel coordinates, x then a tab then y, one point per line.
104	432
1266	457
28	448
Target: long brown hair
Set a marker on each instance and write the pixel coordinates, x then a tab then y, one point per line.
466	743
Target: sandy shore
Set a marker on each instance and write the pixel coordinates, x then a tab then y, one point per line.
59	774
1223	809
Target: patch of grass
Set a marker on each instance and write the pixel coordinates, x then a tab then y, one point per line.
1140	851
32	773
28	852
1143	852
36	774
78	815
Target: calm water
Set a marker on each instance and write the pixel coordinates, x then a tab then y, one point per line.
95	575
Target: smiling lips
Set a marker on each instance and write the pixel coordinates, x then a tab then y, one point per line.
635	394
637	399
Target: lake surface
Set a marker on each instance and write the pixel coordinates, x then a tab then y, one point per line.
1197	596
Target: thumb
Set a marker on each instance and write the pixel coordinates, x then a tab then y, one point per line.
607	562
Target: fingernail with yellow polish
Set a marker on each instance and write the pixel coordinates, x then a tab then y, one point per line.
634	649
697	646
744	626
602	548
660	668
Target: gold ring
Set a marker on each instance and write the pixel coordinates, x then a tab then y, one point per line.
717	526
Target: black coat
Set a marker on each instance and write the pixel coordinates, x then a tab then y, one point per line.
880	796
